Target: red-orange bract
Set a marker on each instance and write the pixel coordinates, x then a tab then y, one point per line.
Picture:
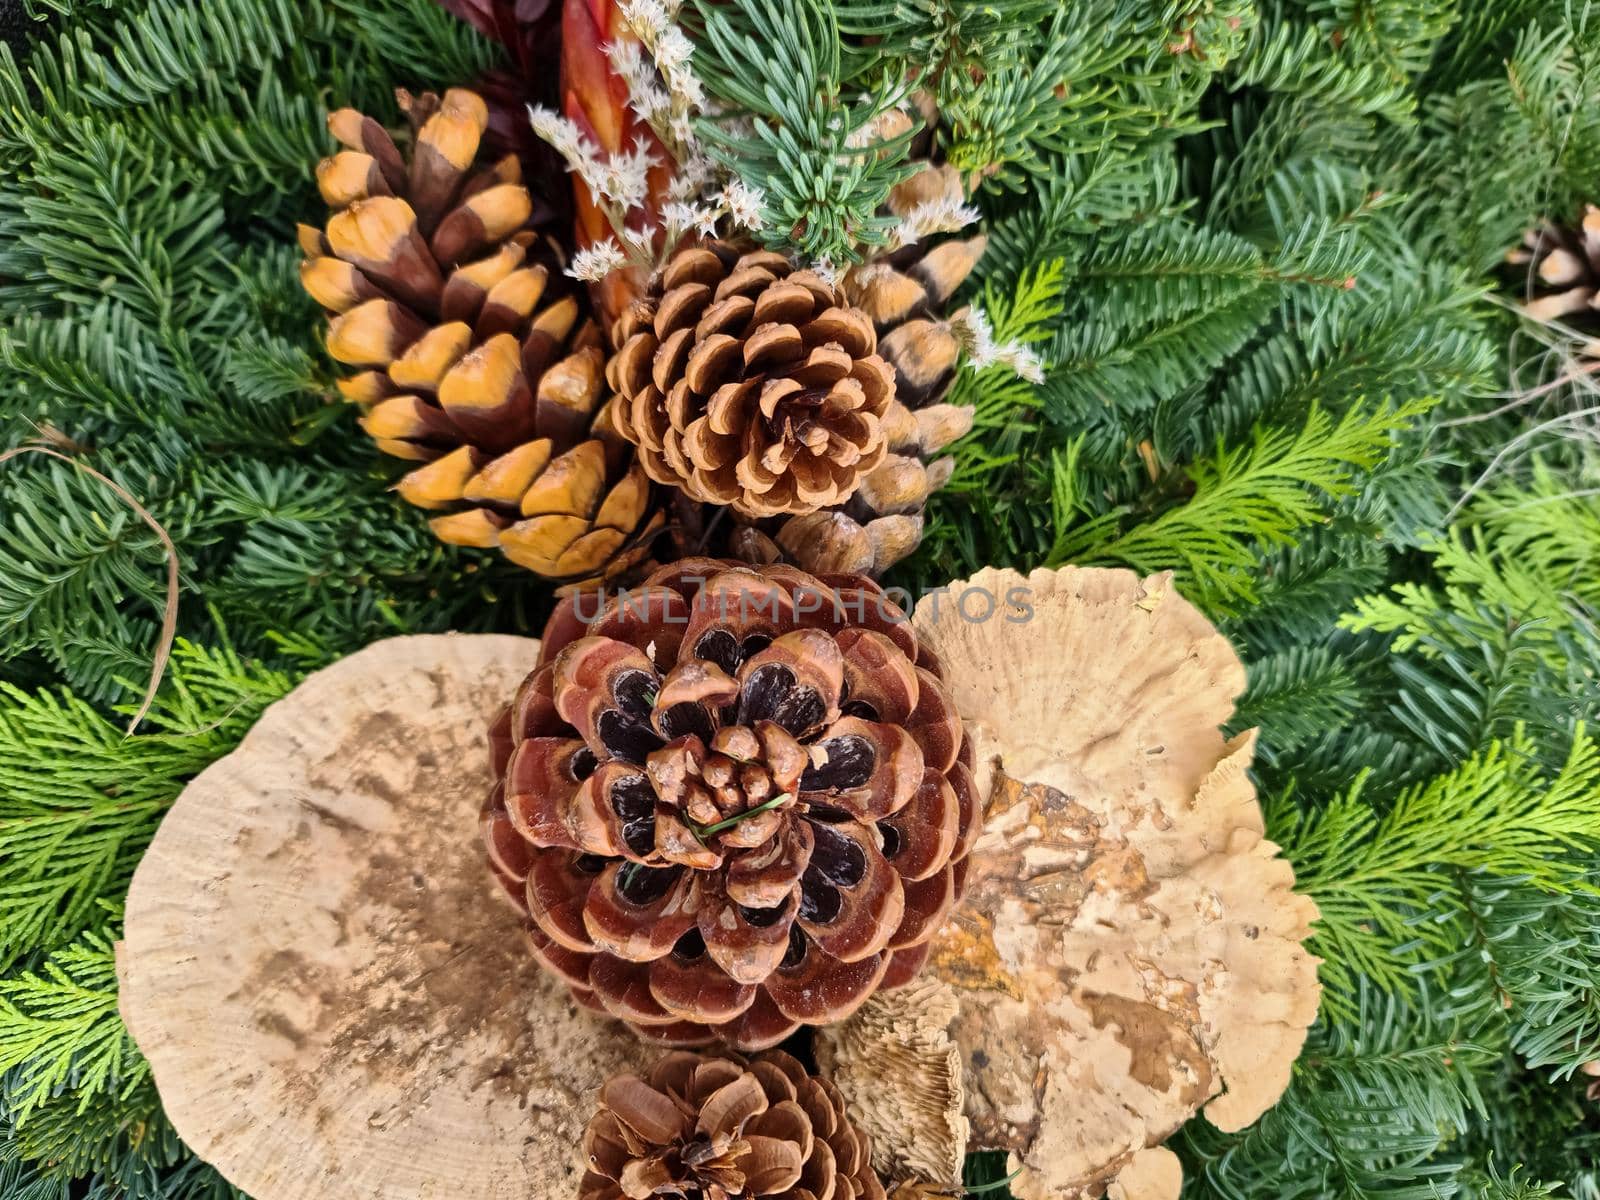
596	99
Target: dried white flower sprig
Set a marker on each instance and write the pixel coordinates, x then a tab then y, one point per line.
926	220
976	335
666	95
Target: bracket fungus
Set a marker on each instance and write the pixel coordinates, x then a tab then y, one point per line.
333	999
1129	950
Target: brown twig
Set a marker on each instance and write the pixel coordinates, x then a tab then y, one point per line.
169	616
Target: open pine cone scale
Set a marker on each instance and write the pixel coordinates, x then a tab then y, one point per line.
729	808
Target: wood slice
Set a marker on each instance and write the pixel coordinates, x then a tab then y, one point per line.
335	999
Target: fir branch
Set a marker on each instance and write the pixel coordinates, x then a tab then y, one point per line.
1287	56
169	616
1303	589
1534	957
1296	694
795	131
1372	1102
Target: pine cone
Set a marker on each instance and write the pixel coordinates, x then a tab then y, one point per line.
905	294
1559	272
725	1129
750	384
733	802
471	366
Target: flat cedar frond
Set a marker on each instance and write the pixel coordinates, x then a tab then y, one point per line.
1258	494
1472	576
79	799
1380	878
60	1030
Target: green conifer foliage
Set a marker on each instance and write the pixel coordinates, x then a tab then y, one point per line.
1254	245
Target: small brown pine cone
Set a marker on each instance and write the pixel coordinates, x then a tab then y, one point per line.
1558	272
725	1128
750	384
906	294
733	802
469	363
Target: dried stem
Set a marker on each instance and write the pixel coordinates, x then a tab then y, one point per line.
169	615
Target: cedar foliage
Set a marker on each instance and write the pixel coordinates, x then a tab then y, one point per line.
1253	243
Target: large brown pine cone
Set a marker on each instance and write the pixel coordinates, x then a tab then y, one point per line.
1558	272
905	294
471	365
732	802
750	384
726	1129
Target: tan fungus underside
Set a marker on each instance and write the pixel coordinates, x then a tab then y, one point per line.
1130	947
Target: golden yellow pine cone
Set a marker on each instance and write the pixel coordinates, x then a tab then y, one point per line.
470	358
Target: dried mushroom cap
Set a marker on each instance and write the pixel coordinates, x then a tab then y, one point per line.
1151	1174
311	938
725	1128
1130	948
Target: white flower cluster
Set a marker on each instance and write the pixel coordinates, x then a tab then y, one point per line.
623	179
976	335
826	270
645	93
945	215
656	65
743	203
598	261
